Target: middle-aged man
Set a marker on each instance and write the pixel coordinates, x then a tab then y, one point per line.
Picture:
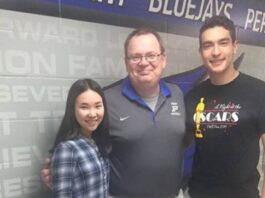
232	120
147	124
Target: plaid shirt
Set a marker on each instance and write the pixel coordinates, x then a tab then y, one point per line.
79	171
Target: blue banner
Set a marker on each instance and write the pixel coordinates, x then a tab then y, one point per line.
183	17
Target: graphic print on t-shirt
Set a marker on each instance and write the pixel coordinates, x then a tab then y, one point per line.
215	115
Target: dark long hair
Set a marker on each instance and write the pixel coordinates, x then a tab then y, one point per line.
70	128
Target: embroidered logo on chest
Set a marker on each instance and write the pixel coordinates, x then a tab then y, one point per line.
175	109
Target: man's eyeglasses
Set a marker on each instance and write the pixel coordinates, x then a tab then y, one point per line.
148	57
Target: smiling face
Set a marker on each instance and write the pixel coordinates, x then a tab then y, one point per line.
217	51
144	71
89	111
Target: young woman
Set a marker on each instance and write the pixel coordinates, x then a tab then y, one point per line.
80	167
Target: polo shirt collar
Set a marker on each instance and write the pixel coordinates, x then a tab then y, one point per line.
129	91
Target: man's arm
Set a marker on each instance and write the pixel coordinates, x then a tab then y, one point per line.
263	168
188	138
46	173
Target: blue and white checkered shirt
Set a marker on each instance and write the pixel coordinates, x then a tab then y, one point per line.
79	171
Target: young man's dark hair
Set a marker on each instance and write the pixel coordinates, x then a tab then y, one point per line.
219	21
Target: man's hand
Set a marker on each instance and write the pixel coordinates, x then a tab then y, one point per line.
46	173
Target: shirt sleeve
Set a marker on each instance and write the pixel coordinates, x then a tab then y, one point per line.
190	125
63	169
262	120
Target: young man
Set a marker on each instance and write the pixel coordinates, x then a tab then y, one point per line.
231	123
147	124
